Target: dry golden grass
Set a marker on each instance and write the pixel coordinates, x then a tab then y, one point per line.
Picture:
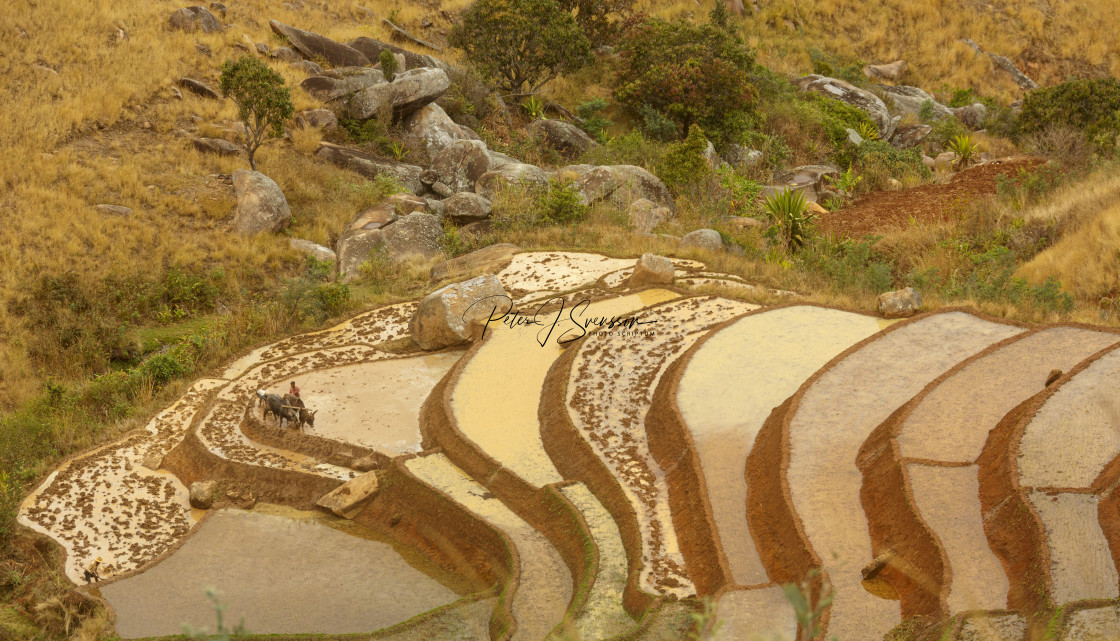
1086	260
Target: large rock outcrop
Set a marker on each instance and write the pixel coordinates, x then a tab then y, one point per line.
261	205
432	127
622	185
413	236
457	313
909	100
890	71
338	83
371	166
312	45
408	92
852	95
466	207
517	174
566	138
460	164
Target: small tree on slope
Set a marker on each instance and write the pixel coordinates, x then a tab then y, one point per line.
523	44
263	102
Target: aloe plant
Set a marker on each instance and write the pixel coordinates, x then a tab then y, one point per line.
790	211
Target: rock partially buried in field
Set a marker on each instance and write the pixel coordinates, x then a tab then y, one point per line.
261	205
434	129
314	250
651	269
198	87
461	164
202	494
702	238
891	71
450	316
622	185
646	216
194	19
116	210
854	96
216	146
466	207
490	260
944	161
408	92
313	45
568	139
371	166
903	303
414	235
517	174
1054	375
350	496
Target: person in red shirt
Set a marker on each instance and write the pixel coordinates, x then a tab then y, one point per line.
294	391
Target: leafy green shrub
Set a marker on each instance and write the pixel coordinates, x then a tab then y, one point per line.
848	265
992	278
690	74
468	101
1091	105
362	132
589	111
522	43
561	205
631	148
878	161
684	163
828	65
742	192
942	132
263	102
790	212
388	64
600	20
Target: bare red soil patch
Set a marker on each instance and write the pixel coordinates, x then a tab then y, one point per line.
883	210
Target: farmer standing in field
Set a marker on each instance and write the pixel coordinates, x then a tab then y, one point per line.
91	570
293	390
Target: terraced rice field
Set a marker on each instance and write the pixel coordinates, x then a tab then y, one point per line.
606	485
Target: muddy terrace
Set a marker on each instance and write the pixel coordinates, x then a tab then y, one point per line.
932	475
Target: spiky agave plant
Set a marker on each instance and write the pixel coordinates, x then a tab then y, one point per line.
965	148
534	107
867	130
790	211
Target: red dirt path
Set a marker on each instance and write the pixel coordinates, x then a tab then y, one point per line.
884	210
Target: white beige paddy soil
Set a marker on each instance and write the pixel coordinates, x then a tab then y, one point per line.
288	572
610	391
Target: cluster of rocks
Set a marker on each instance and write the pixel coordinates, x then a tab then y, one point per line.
897	102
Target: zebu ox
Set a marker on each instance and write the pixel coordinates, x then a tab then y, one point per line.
287	408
